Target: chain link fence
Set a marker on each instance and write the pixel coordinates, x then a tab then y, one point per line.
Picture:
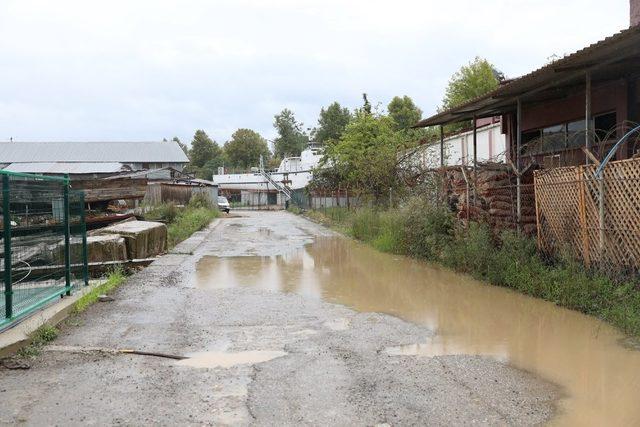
44	243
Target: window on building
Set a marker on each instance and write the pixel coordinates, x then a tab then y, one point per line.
554	138
605	125
530	140
575	134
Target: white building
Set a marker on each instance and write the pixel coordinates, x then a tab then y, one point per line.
458	148
90	157
263	188
294	172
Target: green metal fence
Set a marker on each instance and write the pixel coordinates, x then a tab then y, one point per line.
44	242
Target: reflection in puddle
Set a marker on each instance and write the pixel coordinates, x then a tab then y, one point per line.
577	352
222	359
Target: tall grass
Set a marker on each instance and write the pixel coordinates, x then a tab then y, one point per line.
182	222
194	217
511	260
114	279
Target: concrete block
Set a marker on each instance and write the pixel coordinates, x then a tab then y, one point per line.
143	239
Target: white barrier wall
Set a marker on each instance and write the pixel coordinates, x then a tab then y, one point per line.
492	145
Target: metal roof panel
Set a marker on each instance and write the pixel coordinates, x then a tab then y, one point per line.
122	152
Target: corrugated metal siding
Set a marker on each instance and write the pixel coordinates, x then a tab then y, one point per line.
123	152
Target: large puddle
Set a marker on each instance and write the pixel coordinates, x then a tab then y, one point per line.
601	377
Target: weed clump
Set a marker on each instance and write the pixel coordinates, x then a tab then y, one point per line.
39	338
114	279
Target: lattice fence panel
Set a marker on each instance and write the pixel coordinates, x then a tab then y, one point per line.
558	209
568	213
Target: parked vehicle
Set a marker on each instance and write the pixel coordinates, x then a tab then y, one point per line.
223	204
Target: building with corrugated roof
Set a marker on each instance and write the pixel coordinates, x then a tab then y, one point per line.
581	103
90	158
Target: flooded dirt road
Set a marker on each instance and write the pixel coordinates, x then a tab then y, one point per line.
282	322
598	375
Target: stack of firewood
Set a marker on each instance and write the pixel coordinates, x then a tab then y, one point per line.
494	200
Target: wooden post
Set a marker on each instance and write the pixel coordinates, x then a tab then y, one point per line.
582	215
475	160
538	224
441	146
466	180
587	113
518	165
442	190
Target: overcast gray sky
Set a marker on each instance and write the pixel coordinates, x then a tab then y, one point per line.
148	69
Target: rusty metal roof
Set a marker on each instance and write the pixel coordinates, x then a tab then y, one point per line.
607	59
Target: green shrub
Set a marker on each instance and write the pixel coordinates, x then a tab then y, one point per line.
390	233
188	222
470	251
166	212
294	209
201	201
365	224
428	230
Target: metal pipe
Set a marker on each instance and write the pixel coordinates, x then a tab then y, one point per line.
614	149
587	114
67	240
518	149
85	251
6	215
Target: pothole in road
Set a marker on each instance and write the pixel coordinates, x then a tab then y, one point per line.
223	359
340	324
207	359
439	347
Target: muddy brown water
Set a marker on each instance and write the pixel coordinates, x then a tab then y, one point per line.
599	377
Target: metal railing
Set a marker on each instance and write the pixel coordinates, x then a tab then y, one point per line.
280	187
44	242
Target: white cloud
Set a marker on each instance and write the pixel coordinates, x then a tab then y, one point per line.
147	69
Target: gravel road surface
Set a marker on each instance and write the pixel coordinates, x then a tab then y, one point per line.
259	358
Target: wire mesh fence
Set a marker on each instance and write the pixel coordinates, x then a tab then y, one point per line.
44	250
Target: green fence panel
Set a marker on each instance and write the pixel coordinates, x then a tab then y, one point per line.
44	245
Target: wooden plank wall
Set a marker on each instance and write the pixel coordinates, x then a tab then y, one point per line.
96	190
176	193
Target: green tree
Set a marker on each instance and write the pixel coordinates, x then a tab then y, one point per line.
367	105
331	123
291	139
404	112
245	148
472	80
366	157
203	150
184	147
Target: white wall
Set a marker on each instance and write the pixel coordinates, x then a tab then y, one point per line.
492	145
